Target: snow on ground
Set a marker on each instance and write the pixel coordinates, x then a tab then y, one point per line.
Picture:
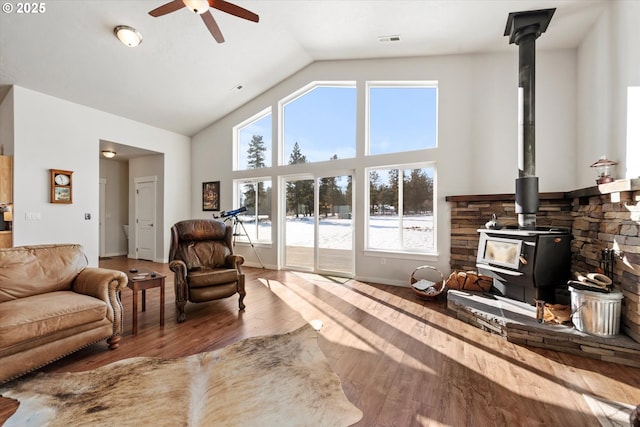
337	233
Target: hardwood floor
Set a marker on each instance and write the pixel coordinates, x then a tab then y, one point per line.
403	361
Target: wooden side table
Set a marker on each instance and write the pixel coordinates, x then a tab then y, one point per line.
142	280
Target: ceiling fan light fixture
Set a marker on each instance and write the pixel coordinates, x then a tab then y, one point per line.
108	154
197	6
129	36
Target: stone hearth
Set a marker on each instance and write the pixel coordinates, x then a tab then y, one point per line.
602	217
516	322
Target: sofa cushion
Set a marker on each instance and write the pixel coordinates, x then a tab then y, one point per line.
31	270
40	315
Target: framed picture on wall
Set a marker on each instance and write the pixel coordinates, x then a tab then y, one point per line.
211	196
61	186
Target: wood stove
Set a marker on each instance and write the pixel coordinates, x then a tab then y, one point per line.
526	265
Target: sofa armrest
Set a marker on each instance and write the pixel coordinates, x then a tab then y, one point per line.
104	284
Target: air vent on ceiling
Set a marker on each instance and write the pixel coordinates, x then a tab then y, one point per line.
384	39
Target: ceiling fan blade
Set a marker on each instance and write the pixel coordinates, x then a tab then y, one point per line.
167	8
212	25
232	9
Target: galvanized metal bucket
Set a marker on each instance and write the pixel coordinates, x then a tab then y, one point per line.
596	313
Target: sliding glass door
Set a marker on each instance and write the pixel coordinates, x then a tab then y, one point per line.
318	224
299	224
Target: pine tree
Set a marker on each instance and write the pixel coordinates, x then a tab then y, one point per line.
330	193
255	159
299	193
255	153
296	155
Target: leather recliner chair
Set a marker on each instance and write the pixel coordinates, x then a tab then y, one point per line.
201	256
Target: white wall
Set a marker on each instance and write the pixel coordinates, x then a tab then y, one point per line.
608	65
492	116
626	66
477	132
51	133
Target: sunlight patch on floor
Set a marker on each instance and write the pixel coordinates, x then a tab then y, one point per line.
320	278
609	413
363	334
426	421
310	311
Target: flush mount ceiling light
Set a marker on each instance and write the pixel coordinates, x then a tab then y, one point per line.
108	154
129	36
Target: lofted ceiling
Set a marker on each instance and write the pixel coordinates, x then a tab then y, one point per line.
181	80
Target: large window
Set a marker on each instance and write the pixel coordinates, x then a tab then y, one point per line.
401	206
320	124
402	117
319	167
253	142
255	223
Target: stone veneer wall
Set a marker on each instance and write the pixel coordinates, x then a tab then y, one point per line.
611	221
607	216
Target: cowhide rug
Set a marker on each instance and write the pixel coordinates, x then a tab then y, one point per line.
280	380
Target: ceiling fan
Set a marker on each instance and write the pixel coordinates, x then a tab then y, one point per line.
201	7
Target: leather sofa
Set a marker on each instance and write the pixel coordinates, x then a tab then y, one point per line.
52	304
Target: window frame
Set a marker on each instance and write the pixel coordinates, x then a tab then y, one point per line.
236	139
237	193
404	251
282	103
396	84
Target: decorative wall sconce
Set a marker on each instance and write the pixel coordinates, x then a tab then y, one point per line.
603	165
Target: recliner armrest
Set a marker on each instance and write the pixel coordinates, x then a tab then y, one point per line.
235	261
178	266
180	286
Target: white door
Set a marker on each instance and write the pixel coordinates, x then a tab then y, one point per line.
103	220
145	219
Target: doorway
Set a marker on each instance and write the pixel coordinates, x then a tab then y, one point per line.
102	217
318	223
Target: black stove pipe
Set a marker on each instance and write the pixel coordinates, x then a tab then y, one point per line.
524	28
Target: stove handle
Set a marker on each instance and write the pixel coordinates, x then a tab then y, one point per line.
500	270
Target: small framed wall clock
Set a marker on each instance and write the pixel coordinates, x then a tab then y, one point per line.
61	186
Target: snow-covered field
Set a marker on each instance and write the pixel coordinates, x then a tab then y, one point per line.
334	233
